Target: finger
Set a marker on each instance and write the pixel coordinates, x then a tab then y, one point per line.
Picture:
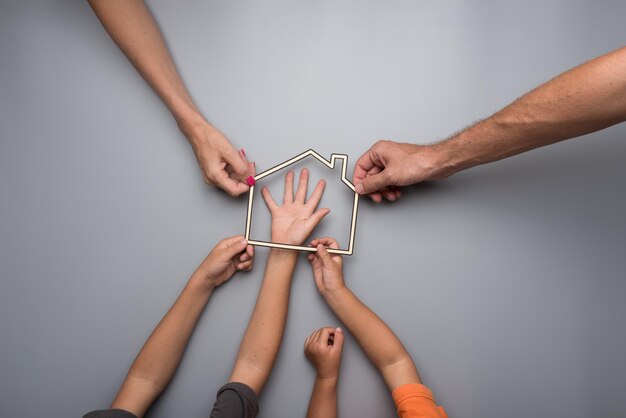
243	156
316	196
373	183
388	194
288	197
231	186
233	246
316	218
325	335
338	342
244	257
328	242
250	251
269	201
365	163
246	266
310	257
230	241
324	255
239	165
315	336
303	185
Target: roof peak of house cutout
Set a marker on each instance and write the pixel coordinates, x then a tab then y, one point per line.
312	153
328	163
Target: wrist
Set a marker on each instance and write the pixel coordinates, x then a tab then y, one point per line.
202	281
284	255
336	294
195	127
464	150
328	381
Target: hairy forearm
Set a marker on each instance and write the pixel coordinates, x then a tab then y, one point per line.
131	25
323	402
378	341
158	359
263	336
582	100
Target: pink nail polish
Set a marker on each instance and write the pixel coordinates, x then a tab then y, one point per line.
250	181
243	152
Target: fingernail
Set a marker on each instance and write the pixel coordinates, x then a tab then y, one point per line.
339	330
250	181
243	152
244	242
359	188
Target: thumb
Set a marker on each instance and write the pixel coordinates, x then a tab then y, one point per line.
338	341
239	165
373	183
324	254
233	247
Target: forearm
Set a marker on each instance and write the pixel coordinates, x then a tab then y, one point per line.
583	100
132	27
378	341
158	359
263	336
323	402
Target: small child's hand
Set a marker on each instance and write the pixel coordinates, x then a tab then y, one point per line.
294	221
323	349
229	256
327	267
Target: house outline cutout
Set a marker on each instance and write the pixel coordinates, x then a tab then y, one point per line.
328	163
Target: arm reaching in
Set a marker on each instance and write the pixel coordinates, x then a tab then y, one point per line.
582	100
292	222
378	341
157	361
132	27
323	349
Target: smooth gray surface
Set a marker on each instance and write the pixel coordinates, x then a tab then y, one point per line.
506	282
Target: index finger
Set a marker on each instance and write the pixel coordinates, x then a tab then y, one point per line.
228	184
326	242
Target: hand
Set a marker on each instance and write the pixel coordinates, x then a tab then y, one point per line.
327	267
294	221
323	349
387	165
220	163
229	256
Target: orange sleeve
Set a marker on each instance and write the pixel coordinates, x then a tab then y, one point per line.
416	401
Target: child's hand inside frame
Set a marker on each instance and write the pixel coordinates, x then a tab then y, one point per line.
296	218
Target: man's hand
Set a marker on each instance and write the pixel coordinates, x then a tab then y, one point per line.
387	165
229	256
220	163
327	267
294	221
323	349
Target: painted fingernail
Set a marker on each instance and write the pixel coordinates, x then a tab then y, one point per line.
243	152
250	181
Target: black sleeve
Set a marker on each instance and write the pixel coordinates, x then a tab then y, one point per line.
110	413
235	400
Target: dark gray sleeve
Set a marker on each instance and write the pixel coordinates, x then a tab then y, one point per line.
110	413
235	400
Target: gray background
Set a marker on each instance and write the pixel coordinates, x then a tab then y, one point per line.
506	283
